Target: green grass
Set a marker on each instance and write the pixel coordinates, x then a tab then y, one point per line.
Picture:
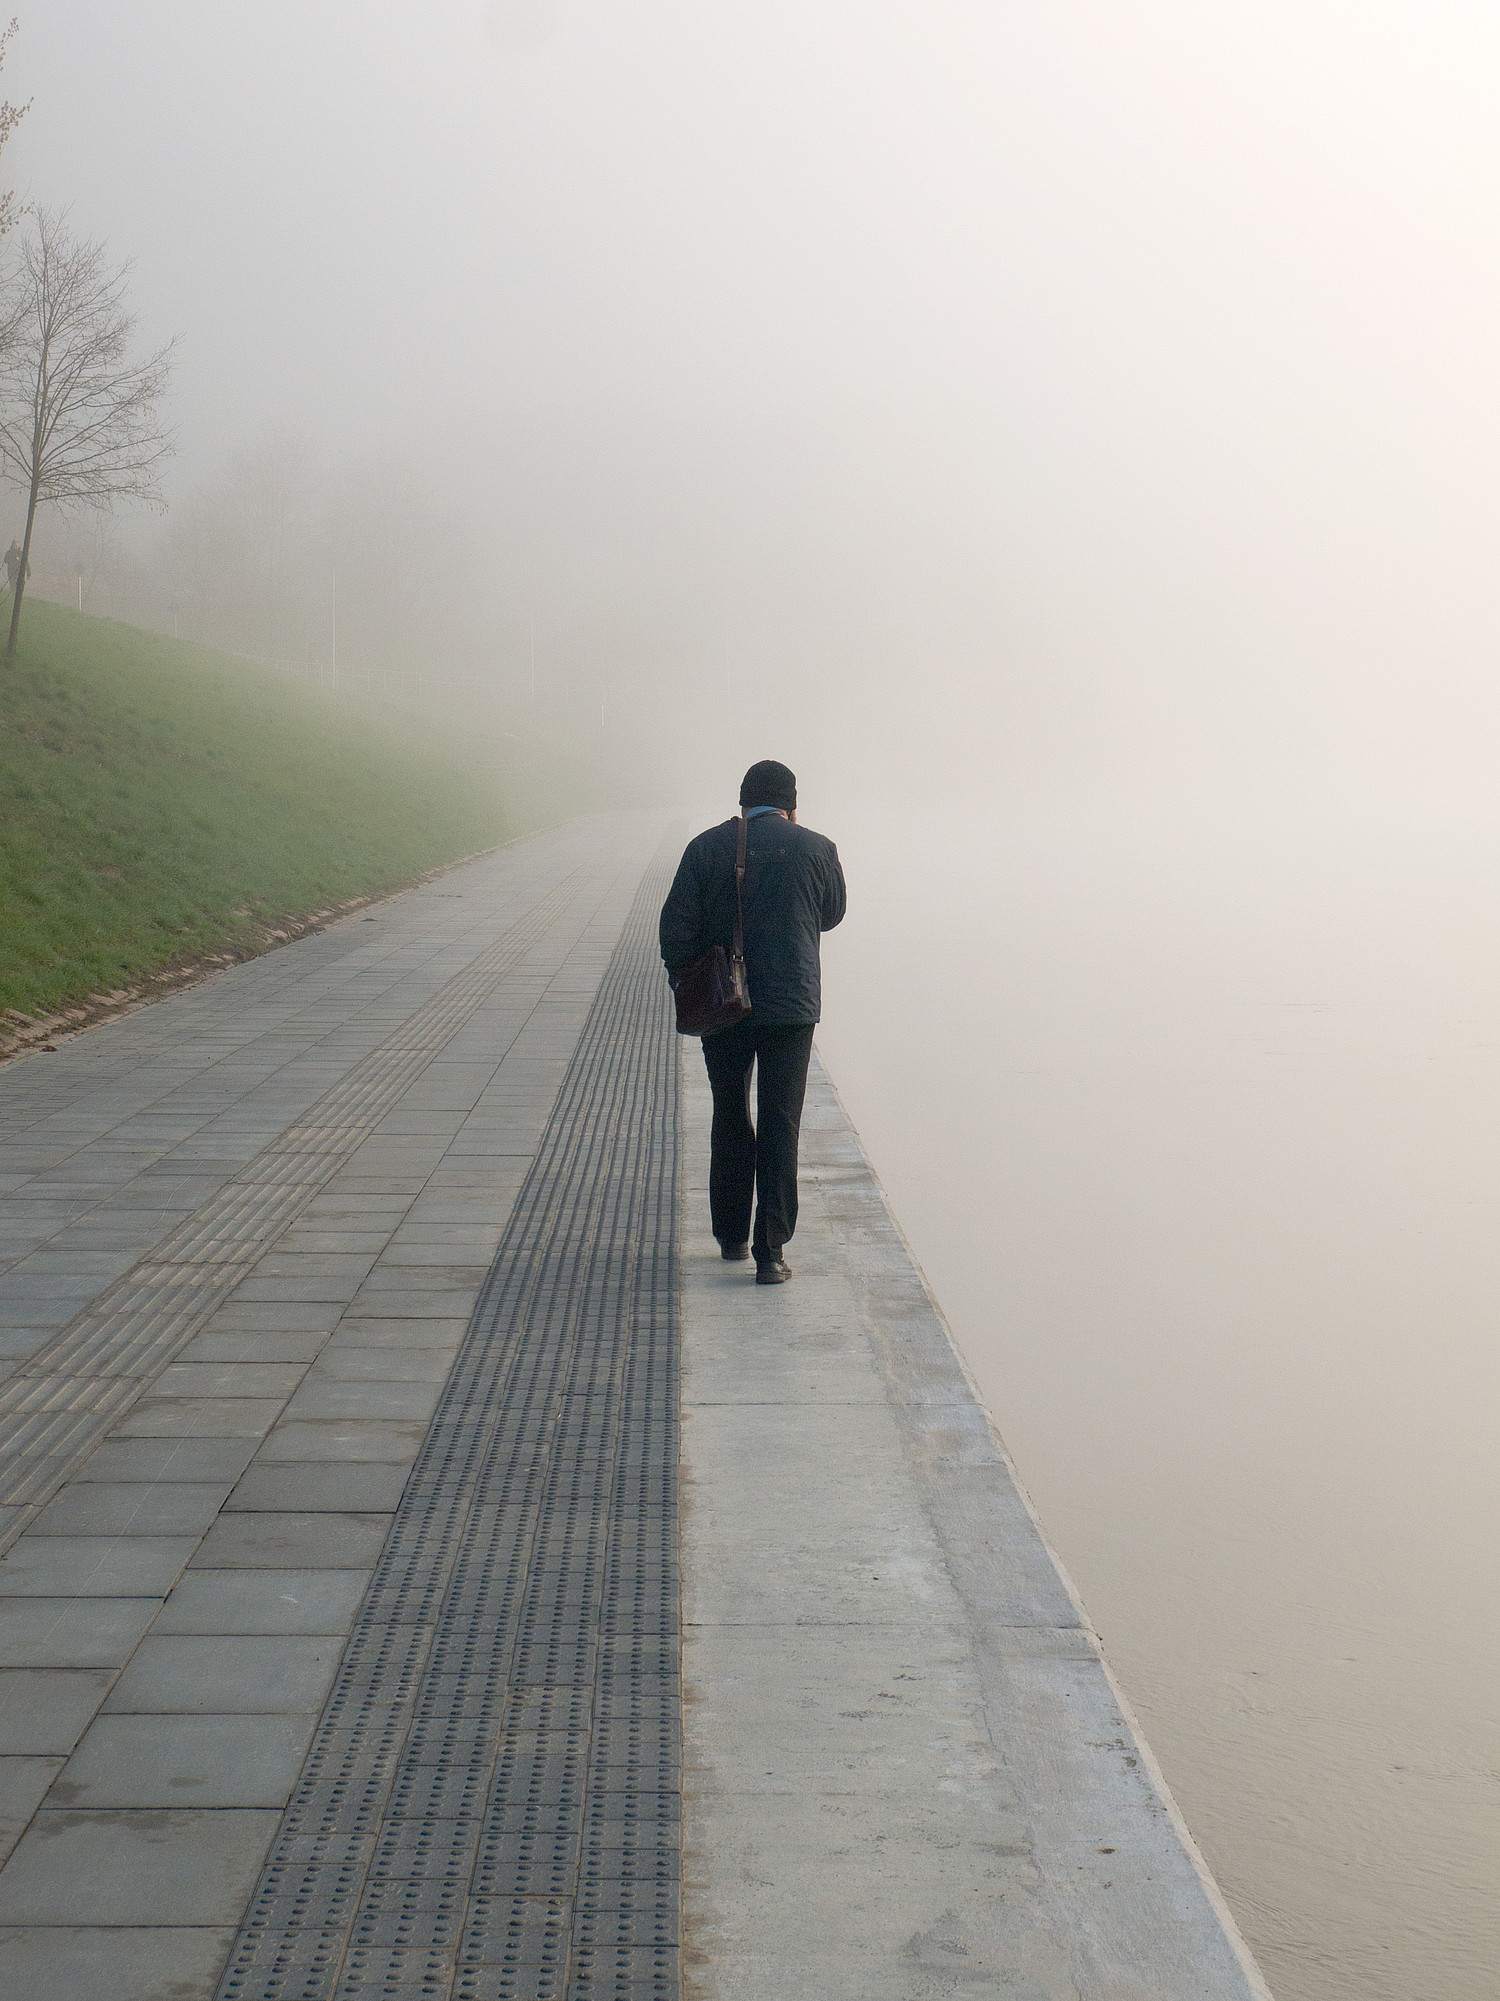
159	800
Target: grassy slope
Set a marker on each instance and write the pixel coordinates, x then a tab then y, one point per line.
158	799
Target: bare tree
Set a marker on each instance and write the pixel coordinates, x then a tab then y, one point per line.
78	416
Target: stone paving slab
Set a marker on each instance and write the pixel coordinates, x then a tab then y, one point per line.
263	1601
225	1674
72	1632
191	1868
171	1618
111	1962
238	1759
47	1710
907	1771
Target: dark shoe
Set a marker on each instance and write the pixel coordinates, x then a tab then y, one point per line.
734	1254
771	1270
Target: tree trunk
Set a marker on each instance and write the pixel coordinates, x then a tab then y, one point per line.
15	610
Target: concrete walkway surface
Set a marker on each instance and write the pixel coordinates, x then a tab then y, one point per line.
907	1771
242	1237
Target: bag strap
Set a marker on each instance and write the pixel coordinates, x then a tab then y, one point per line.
739	890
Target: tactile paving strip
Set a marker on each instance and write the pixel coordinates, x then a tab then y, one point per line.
77	1385
491	1805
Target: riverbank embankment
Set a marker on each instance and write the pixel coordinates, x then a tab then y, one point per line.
432	1571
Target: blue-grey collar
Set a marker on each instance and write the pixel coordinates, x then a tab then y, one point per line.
751	811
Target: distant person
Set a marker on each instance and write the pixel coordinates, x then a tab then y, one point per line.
793	891
13	564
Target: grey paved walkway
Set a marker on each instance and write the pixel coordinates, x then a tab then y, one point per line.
342	1127
907	1773
242	1238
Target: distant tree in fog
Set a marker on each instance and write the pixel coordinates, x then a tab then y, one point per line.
79	416
244	550
404	567
255	552
78	556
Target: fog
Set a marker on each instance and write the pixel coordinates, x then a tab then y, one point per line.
1067	437
1096	386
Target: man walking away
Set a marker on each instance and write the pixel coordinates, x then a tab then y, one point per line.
13	564
793	891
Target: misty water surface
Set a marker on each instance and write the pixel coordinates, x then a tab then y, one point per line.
1191	1109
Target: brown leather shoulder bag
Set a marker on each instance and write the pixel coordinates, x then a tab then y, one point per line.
712	993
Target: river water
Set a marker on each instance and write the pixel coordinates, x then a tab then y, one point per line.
1190	1108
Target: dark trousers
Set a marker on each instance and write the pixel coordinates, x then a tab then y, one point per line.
756	1160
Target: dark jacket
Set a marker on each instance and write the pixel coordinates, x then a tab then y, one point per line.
794	889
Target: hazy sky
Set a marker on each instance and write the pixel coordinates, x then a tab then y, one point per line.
1099	369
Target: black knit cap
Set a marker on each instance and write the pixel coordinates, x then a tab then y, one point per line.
769	784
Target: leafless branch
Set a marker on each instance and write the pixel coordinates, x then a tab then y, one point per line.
10	117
